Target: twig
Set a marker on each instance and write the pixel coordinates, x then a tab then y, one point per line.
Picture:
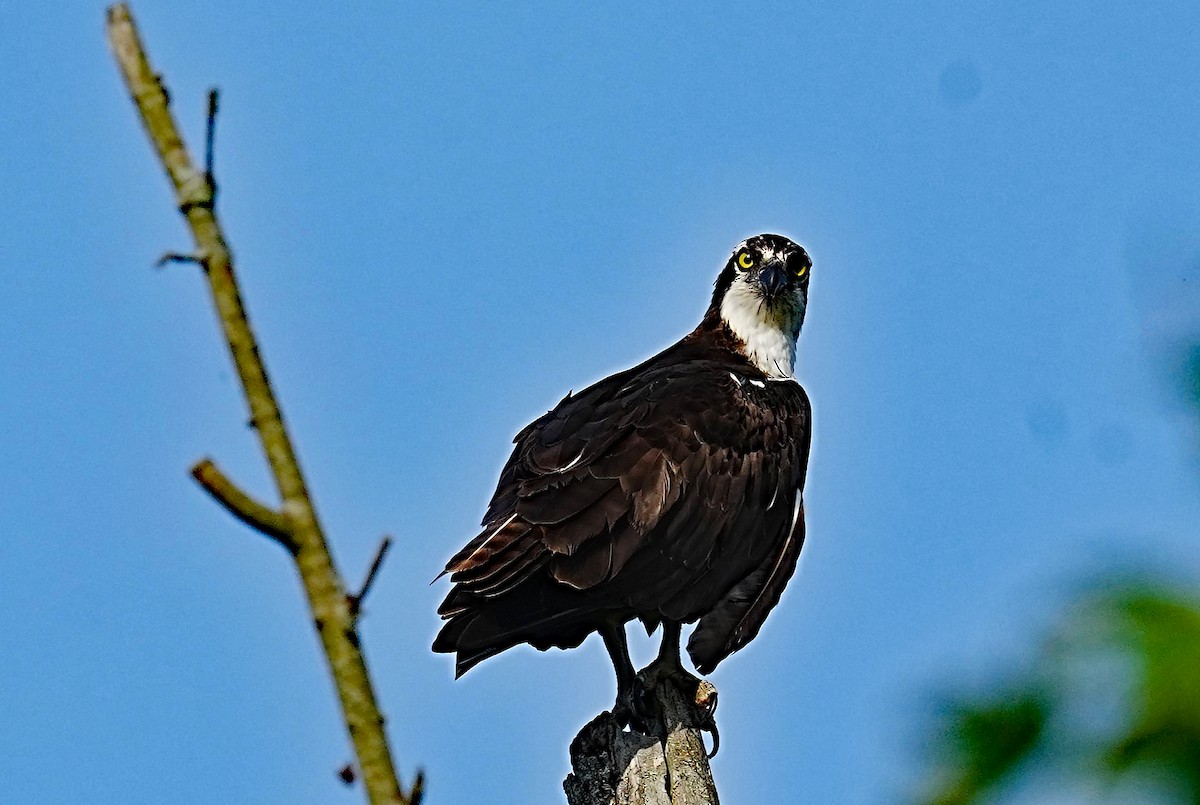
356	599
210	135
416	794
323	586
176	257
257	515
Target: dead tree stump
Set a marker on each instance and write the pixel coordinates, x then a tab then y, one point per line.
611	766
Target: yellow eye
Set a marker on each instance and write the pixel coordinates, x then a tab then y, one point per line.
802	271
745	260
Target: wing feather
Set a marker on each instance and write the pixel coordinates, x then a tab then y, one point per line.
652	493
735	621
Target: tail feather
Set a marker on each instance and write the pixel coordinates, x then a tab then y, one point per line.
544	616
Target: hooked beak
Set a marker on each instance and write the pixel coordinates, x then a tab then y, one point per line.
774	279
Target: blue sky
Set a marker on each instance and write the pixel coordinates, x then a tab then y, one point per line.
446	216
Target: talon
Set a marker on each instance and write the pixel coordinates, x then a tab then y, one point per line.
632	710
716	739
628	715
644	703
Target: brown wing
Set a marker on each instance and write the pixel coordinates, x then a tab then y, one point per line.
735	621
653	494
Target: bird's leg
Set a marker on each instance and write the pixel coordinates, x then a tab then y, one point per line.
626	710
702	694
668	664
668	650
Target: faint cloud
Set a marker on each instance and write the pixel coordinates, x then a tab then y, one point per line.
1047	421
959	83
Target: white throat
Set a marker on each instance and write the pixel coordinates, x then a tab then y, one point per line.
769	335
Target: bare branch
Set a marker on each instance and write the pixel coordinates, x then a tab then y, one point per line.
357	599
257	515
150	96
323	585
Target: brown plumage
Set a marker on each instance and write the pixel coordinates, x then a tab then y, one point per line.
668	493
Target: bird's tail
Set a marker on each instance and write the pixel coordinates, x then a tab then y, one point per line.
542	615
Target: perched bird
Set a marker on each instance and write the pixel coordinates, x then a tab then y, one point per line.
667	493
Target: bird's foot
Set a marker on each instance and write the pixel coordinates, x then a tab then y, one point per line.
670	668
699	693
635	708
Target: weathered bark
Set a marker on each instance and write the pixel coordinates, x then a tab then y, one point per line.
614	767
294	524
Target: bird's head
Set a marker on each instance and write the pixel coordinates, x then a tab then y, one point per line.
761	295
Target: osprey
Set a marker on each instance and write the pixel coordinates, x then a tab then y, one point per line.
667	493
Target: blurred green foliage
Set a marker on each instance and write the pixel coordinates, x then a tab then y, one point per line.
1111	703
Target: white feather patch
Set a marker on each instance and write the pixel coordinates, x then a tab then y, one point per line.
573	462
491	536
770	343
